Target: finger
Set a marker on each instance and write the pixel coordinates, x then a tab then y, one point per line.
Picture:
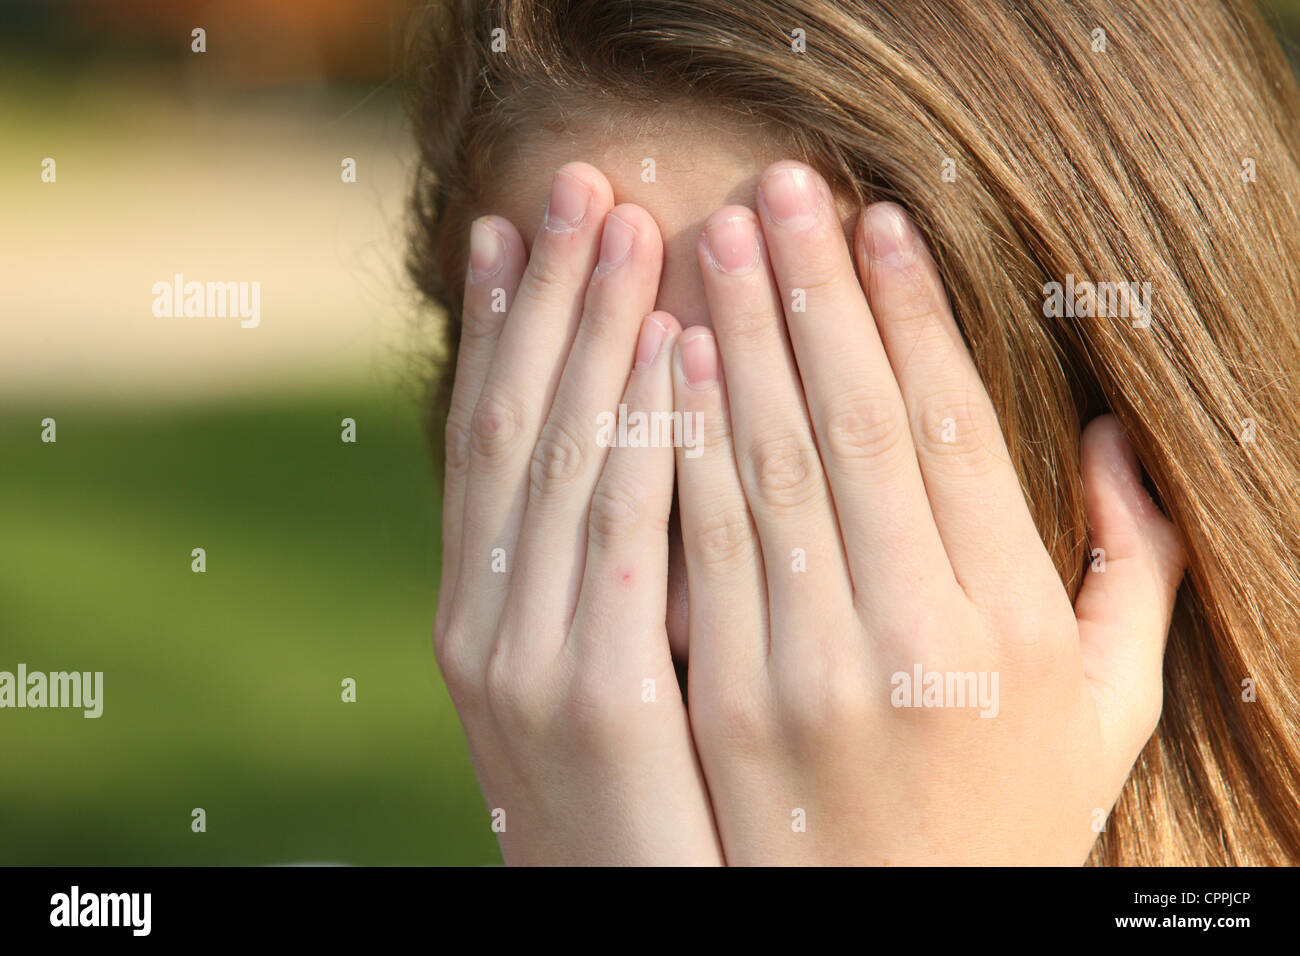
724	569
854	402
974	492
496	261
521	384
572	446
777	456
1127	600
623	599
619	641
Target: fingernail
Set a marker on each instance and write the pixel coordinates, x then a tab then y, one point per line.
732	244
700	360
487	251
568	204
791	197
650	342
893	239
615	244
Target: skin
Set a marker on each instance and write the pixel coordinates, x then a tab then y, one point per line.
854	515
699	168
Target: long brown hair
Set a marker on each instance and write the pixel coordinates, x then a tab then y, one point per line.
1104	140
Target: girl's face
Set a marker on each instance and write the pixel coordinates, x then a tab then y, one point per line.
680	174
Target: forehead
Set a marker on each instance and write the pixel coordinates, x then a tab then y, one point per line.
678	170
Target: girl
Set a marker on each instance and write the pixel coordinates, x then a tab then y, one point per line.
987	311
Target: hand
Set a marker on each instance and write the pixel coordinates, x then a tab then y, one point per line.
855	522
550	630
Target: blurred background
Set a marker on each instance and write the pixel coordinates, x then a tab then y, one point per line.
222	690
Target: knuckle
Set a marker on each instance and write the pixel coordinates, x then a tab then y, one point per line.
866	426
598	325
615	513
918	634
1029	632
749	329
722	537
958	433
558	458
551	274
824	702
479	321
914	299
784	472
460	672
819	275
594	715
456	441
1019	608
513	692
714	437
496	425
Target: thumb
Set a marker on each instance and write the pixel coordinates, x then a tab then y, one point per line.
1127	599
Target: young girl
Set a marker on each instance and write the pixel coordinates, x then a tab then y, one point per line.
953	290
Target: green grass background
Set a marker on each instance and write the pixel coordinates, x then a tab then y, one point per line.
222	690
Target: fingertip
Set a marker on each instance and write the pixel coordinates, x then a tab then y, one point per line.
889	236
496	251
730	243
1112	474
505	228
592	178
639	219
667	320
1104	441
1119	506
698	358
658	330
